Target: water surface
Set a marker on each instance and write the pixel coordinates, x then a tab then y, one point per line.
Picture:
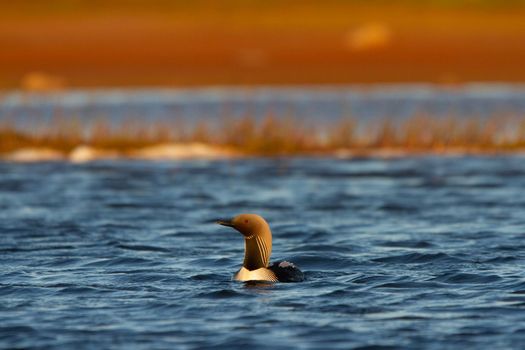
310	103
404	253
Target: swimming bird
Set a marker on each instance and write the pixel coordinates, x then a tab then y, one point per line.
257	251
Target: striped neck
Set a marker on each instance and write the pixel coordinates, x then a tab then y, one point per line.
257	251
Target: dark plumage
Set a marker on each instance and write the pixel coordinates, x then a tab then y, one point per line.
286	272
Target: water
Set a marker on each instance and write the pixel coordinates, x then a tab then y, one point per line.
308	103
404	253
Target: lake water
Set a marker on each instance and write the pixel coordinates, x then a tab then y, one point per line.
409	253
305	103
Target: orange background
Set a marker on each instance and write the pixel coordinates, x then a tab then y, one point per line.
58	44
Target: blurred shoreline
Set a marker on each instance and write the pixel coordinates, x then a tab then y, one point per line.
186	152
76	141
218	122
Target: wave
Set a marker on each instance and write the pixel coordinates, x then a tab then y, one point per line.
144	248
466	278
415	244
418	258
120	261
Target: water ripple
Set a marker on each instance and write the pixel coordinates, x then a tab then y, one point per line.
404	253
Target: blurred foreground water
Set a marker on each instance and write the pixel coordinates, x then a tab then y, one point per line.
404	253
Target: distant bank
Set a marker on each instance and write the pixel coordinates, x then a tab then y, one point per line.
342	121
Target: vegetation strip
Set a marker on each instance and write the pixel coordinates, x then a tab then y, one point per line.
268	136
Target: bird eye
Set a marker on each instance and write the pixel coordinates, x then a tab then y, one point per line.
245	221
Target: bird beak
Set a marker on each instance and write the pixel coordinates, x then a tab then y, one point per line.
225	222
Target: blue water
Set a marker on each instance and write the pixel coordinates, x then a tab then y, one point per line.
405	253
304	103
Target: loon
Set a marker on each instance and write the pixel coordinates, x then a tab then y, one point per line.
258	248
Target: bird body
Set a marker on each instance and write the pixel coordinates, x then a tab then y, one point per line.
260	274
257	250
